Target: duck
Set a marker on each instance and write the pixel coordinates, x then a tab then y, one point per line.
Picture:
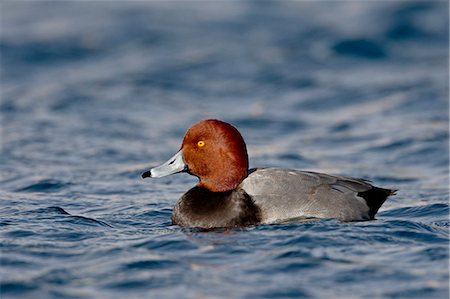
229	194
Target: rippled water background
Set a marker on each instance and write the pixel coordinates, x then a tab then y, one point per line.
92	93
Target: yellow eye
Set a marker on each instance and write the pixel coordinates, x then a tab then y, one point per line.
201	143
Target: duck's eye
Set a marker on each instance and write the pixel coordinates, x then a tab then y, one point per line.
201	143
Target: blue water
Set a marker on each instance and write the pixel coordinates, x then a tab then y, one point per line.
93	93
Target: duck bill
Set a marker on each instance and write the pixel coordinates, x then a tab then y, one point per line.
173	165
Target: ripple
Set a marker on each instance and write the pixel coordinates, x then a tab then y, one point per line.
151	264
148	283
14	262
292	254
46	52
392	180
169	245
415	231
62	216
437	209
50	210
444	223
47	185
363	48
261	123
56	276
404	30
16	287
285	293
19	233
421	292
81	220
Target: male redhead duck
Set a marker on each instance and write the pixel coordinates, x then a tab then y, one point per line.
231	195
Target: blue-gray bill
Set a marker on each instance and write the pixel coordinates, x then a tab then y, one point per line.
173	165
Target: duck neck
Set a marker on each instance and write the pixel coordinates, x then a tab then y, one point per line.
224	181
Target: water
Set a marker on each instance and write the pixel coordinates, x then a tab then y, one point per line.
93	93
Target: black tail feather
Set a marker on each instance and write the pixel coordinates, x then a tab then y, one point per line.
375	197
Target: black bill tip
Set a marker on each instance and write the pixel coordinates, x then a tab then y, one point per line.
146	174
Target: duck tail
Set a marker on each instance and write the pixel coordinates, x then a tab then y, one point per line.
391	191
375	197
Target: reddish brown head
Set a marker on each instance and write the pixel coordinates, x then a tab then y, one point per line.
215	152
212	150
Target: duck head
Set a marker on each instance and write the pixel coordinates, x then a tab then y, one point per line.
212	150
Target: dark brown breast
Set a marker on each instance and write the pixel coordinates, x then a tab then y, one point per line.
200	207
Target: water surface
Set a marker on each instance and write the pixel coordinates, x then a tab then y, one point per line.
93	93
